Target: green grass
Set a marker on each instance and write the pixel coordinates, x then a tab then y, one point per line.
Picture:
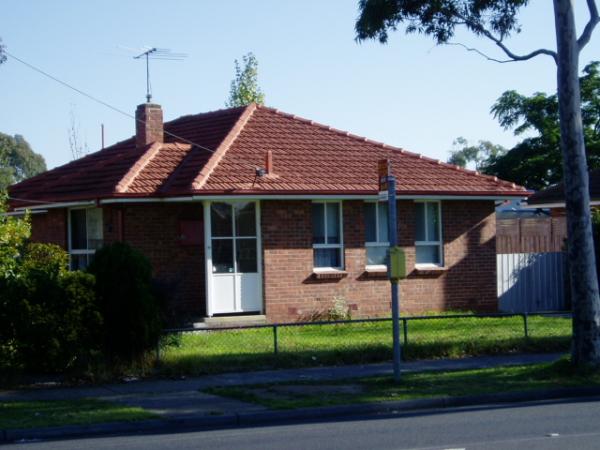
39	414
412	386
358	343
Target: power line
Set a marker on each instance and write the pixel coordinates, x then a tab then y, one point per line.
103	103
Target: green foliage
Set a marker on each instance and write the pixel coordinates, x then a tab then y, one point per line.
17	160
438	18
244	87
480	155
132	320
536	162
49	321
14	232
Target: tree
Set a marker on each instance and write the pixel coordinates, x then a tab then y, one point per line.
481	155
496	20
536	161
78	146
244	87
17	160
2	54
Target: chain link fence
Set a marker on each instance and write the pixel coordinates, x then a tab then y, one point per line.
304	344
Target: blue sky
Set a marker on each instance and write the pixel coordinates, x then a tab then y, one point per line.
408	93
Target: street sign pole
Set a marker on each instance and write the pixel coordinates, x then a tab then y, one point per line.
393	237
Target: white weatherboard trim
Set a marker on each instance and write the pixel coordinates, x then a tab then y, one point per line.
58	205
372	197
555	205
21	213
207	258
215	198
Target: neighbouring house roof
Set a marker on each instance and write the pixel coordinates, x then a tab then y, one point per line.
218	153
554	196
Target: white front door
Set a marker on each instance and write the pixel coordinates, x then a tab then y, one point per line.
232	239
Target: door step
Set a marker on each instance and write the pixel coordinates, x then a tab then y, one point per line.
231	321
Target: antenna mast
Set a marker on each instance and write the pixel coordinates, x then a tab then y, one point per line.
157	53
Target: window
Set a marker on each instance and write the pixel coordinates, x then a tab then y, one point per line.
233	235
376	231
428	242
85	236
327	235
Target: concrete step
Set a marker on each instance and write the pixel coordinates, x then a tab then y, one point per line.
231	321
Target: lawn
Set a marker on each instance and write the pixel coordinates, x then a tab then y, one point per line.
412	386
202	352
38	414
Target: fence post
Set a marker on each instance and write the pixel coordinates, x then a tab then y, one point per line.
526	325
405	330
275	343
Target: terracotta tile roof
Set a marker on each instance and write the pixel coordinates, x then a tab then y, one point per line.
218	152
556	193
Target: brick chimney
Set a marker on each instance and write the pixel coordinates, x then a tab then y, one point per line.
148	124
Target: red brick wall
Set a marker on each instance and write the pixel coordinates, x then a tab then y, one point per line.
50	227
292	292
178	268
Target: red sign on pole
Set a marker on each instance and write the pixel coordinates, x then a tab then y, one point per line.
384	170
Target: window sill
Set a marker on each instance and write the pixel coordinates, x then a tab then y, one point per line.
430	269
329	274
376	271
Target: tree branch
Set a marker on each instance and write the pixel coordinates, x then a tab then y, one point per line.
477	27
589	27
479	52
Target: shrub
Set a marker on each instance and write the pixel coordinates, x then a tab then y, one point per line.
49	319
131	313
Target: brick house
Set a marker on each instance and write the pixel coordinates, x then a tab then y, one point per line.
282	212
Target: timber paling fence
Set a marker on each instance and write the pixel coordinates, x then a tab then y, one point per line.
298	344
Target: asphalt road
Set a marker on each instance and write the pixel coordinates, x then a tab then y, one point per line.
562	425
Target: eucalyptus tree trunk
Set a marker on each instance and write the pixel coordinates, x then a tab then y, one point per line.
582	261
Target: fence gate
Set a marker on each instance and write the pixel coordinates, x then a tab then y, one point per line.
531	282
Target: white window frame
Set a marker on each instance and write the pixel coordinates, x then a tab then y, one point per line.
339	246
439	243
88	251
378	243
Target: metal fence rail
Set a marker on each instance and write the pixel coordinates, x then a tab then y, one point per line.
361	341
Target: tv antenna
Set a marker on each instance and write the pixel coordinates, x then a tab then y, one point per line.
157	53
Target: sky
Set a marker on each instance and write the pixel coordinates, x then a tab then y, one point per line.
409	93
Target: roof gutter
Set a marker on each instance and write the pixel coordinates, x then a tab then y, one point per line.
555	205
199	198
56	205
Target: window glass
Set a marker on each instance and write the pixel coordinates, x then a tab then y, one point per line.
376	256
370	223
94	228
79	262
245	219
245	254
327	257
333	223
318	223
428	254
433	231
420	221
78	229
383	221
220	219
222	255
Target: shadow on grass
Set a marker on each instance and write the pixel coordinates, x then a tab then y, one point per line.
197	363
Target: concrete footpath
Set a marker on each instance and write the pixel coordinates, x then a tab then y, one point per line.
181	404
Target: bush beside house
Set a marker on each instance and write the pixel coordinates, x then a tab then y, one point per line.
53	320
